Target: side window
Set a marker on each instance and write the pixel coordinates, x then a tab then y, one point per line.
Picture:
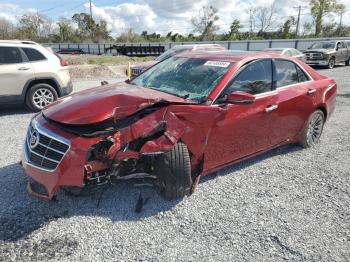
286	73
10	55
301	75
288	53
256	78
33	55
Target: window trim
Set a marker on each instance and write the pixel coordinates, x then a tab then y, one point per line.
20	51
244	66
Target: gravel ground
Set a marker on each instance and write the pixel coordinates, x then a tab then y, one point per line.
287	204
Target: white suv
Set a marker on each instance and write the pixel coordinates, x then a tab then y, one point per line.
31	74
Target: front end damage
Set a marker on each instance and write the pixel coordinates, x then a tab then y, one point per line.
60	155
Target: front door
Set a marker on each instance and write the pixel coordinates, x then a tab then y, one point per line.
242	130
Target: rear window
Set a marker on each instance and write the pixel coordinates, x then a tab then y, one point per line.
33	54
10	55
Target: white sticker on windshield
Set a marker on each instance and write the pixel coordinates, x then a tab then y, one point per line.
217	63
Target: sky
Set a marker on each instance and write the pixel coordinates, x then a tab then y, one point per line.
161	16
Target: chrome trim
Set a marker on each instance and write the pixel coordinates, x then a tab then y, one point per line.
51	135
327	90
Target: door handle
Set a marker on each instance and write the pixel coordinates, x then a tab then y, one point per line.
311	91
23	68
271	108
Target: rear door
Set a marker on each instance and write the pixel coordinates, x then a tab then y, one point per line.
242	130
15	71
296	99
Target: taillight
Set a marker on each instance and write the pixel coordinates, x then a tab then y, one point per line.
64	62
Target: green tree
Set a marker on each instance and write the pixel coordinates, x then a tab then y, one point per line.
203	22
322	8
66	31
234	33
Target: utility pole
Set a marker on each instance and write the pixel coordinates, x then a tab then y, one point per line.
90	10
298	21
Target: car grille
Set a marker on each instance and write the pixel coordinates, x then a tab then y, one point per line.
136	71
314	56
47	153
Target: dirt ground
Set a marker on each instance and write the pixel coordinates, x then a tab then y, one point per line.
104	66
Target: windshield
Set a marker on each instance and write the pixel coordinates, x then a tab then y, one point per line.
323	45
190	78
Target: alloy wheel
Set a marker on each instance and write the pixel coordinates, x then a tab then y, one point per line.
315	128
43	97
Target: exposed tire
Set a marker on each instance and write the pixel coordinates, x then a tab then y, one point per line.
39	96
347	62
313	129
173	170
331	63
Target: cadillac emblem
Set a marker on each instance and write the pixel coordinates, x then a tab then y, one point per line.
34	139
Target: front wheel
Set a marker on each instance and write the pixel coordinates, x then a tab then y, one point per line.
313	129
331	63
173	170
39	96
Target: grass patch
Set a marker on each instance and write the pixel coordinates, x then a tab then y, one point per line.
117	59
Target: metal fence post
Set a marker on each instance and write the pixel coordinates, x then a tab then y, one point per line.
248	45
99	49
229	45
296	43
270	44
88	48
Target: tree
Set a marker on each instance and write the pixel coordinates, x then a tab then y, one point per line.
234	33
265	16
322	8
287	26
89	29
6	29
34	26
203	22
66	30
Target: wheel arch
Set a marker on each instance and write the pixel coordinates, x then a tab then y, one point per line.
324	110
31	82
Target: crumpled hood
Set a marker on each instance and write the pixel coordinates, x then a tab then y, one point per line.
321	50
105	102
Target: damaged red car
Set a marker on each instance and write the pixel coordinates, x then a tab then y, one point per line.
186	117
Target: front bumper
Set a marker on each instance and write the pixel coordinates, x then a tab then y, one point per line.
317	62
67	89
69	170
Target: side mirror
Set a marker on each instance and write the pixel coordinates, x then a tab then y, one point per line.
240	98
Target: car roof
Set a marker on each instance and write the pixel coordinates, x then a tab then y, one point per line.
17	42
227	55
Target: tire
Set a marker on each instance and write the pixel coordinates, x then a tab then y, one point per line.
331	63
37	92
313	129
347	62
173	170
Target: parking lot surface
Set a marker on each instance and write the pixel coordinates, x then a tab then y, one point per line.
287	204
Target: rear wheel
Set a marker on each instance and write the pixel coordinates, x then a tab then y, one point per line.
313	129
39	96
173	170
331	63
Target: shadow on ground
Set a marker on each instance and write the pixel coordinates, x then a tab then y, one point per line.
22	214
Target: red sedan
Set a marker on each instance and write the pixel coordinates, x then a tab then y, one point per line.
184	118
